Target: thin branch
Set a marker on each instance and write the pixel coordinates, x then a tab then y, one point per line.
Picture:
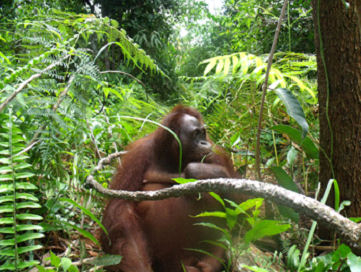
63	93
126	74
110	132
26	82
30	146
108	159
300	203
61	97
93	140
264	89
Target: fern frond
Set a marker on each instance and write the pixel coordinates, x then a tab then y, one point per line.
16	201
249	66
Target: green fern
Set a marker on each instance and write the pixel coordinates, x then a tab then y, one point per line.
16	201
284	73
67	37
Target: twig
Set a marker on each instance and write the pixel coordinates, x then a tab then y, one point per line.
126	74
93	140
110	132
26	82
63	93
34	140
30	146
108	159
264	89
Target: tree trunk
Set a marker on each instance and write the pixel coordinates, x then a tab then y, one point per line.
338	24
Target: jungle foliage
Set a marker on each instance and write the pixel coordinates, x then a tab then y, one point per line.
68	76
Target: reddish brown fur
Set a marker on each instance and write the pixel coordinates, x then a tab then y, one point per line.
153	235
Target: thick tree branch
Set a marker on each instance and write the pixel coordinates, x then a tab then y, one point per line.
300	203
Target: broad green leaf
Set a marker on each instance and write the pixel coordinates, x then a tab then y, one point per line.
291	156
232	217
218	214
220	65
22	165
254	268
227	64
65	263
259	70
21	265
354	262
29	227
265	228
85	211
20	158
10	230
7	230
73	268
6	221
217	197
7	252
27	204
106	92
24	175
83	232
54	260
21	238
355	219
250	203
114	23
306	143
6	209
26	196
5	58
106	260
6	177
293	257
341	253
28	216
5	161
286	182
234	64
5	152
26	186
294	108
211	64
245	63
7	242
284	179
8	198
183	180
236	207
42	269
19	185
115	92
211	225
